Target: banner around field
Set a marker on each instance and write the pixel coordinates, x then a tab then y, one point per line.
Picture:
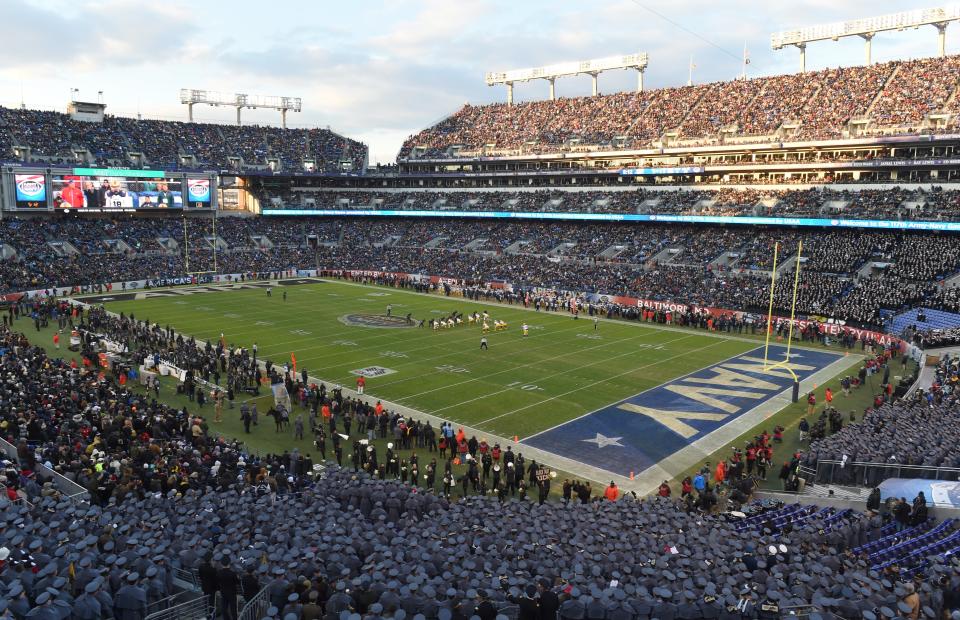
134	285
830	329
826	327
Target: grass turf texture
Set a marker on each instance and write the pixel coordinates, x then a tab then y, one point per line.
576	369
520	386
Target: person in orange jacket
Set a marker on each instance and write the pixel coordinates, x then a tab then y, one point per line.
720	473
612	492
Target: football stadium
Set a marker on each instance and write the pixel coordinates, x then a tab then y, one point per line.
673	351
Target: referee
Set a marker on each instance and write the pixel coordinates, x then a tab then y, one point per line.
483	343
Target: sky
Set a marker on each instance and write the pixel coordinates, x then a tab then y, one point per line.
380	71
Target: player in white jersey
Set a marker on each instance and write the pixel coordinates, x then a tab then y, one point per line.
117	197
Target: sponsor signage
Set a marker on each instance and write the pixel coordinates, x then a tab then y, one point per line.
31	190
119	172
198	193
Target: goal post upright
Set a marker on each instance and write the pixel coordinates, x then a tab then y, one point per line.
793	302
785	362
186	248
773	282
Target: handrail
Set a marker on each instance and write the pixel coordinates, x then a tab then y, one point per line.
865	473
888	464
171	601
70	489
194	609
188	576
256	607
19	500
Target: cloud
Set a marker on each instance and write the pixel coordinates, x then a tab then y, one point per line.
380	71
111	33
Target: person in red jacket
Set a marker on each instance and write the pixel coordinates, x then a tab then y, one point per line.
664	490
72	196
361	384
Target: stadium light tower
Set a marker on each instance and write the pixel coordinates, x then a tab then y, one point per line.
866	28
191	97
550	73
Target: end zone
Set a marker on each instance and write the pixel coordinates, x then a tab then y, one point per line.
639	432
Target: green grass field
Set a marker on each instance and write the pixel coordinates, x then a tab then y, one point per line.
520	386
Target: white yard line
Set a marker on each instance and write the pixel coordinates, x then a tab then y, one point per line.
690	455
589	385
536	362
570	421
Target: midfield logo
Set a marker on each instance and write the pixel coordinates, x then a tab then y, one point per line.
374	320
373	371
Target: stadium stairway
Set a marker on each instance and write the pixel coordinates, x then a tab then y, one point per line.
913	552
936	319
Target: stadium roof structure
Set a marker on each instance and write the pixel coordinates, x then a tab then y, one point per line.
550	73
866	28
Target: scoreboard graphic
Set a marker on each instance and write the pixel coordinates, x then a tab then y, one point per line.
103	190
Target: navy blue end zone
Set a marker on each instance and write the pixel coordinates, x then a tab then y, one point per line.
638	432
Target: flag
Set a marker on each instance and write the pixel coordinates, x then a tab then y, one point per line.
293	360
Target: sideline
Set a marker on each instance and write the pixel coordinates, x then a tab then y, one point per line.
649	480
672	328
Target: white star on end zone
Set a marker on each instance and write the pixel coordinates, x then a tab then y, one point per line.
603	441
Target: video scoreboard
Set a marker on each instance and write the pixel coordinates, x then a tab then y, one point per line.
106	190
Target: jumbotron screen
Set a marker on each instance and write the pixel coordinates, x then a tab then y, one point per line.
102	193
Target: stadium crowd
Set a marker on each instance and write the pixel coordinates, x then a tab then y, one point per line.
55	138
167	495
850	276
921	430
806	106
887	204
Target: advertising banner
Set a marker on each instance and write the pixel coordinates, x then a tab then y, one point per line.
31	191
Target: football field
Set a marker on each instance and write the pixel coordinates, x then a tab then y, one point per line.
618	396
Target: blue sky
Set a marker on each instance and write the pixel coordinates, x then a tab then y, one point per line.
379	71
